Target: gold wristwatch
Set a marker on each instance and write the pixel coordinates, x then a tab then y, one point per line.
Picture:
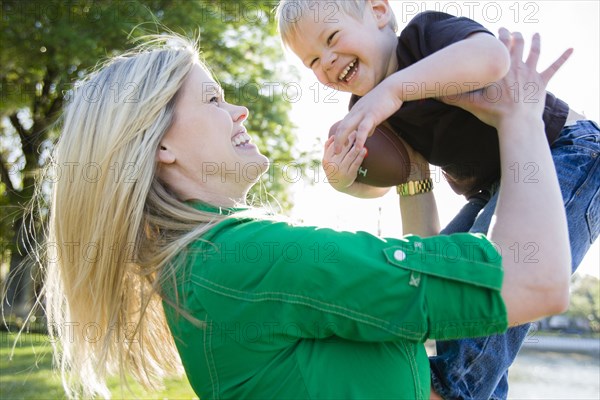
411	188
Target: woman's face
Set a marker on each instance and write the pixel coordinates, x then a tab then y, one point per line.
208	142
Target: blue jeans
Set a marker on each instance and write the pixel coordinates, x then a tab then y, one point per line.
478	368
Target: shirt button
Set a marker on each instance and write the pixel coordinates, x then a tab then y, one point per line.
399	255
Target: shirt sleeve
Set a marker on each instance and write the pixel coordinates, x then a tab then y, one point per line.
431	31
307	282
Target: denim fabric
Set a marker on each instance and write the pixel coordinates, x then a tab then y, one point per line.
478	368
464	220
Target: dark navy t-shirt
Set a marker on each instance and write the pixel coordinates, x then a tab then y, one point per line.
447	136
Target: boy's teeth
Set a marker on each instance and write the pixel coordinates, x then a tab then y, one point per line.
345	71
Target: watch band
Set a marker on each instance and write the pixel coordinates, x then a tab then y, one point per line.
411	188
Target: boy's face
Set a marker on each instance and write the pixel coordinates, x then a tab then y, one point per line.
351	55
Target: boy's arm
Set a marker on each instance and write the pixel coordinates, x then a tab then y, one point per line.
464	66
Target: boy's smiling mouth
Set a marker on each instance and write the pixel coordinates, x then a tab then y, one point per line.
348	73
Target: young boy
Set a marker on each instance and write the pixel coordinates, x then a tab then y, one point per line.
410	81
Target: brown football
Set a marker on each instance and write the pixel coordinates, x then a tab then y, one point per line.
387	163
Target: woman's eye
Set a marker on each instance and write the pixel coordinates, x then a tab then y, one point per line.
313	62
330	38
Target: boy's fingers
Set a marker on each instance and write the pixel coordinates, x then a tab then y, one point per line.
556	65
338	143
534	51
361	138
352	137
358	160
328	142
353	152
327	156
328	153
341	137
350	157
345	148
364	130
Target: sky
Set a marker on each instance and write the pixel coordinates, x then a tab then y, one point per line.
561	24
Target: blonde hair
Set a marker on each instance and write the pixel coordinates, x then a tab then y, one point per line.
290	12
114	228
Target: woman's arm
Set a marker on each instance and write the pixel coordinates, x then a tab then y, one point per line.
528	214
531	215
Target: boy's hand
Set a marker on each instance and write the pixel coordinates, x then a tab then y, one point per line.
341	169
371	110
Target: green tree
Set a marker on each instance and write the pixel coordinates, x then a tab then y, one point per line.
47	45
585	300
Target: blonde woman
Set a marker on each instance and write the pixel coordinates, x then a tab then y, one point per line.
156	262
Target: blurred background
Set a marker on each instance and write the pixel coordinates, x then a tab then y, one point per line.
46	46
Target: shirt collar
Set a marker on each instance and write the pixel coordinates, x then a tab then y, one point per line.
202	206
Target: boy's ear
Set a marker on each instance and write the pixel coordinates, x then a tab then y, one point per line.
382	12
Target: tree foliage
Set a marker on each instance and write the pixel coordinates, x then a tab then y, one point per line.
47	45
585	300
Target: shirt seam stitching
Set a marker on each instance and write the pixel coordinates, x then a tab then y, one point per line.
327	307
413	368
210	359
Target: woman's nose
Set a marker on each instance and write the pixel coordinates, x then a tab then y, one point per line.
240	113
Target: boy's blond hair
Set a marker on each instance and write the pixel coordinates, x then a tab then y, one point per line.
290	12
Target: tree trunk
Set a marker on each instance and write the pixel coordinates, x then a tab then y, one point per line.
19	296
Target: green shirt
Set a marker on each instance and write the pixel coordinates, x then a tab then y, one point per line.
294	312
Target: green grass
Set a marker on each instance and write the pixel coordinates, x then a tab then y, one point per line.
29	374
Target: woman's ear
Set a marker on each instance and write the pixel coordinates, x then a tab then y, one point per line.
382	12
164	155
